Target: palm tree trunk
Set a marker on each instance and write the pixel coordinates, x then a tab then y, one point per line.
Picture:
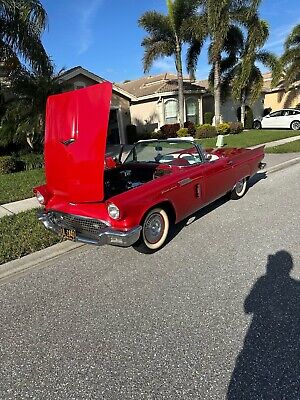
243	108
217	91
180	85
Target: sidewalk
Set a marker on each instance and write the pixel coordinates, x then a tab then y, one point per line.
277	142
18	206
271	160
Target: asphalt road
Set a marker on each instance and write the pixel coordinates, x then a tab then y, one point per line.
201	319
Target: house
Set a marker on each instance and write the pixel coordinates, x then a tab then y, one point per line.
154	101
79	77
230	108
278	98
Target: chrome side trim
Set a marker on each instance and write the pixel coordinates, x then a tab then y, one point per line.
185	181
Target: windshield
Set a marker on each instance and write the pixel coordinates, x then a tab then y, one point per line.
165	152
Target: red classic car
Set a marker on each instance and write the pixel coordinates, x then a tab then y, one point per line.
91	199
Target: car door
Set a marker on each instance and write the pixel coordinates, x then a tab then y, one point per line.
284	120
218	178
272	120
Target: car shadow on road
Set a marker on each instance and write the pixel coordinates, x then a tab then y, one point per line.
268	366
209	208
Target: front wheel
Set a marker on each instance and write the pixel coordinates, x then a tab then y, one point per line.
239	190
256	125
295	125
154	232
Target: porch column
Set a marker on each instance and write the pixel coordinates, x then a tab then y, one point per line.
122	133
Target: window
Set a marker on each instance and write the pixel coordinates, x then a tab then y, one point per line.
276	114
171	111
192	110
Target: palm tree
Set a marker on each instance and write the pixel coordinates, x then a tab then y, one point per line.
291	57
242	77
24	119
220	18
21	25
166	36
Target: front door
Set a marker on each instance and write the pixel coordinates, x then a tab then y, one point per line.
218	178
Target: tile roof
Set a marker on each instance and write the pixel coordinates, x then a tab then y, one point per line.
151	85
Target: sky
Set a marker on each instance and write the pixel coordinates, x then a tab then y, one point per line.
103	36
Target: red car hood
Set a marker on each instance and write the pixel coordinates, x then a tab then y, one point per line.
75	141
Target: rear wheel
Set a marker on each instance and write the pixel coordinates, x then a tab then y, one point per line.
295	125
155	230
256	125
239	190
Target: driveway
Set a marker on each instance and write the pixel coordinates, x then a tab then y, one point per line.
110	323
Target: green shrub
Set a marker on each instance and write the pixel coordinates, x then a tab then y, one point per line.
206	131
235	128
249	119
31	161
183	132
156	135
223	128
208	118
131	133
8	165
191	128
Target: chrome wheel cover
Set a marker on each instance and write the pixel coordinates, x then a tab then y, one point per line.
154	228
239	187
296	125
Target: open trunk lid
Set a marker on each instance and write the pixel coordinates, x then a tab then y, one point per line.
75	141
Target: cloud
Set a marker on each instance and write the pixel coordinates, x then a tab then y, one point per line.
278	37
165	64
86	33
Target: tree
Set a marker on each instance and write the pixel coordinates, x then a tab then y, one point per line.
241	75
21	25
220	18
24	119
291	57
166	36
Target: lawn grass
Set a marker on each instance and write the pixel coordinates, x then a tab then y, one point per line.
18	186
251	138
22	234
292	147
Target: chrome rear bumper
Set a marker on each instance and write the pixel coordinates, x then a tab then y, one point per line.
106	235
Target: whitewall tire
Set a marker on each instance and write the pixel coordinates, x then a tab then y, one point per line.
155	229
239	189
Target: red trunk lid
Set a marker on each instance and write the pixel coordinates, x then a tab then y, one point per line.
75	141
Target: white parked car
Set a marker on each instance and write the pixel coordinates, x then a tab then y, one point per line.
289	118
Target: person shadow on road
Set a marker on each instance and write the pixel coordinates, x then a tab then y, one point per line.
268	367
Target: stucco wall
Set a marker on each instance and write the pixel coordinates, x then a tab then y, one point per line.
145	115
229	109
78	79
280	99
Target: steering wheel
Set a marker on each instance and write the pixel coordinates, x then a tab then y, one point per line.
189	154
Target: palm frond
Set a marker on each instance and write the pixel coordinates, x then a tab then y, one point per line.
156	50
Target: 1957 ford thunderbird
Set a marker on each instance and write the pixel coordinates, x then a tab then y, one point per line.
93	199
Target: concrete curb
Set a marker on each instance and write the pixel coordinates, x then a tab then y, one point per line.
21	265
284	165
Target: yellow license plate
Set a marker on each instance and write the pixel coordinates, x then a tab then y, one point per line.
69	234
